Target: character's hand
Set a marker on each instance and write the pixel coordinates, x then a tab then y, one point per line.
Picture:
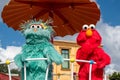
52	55
101	66
59	60
18	61
24	61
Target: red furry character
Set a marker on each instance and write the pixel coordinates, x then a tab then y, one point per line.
90	49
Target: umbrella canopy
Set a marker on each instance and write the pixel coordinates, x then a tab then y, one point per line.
68	15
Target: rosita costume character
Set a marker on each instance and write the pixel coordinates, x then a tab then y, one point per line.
38	45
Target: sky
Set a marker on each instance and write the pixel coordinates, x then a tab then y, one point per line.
108	26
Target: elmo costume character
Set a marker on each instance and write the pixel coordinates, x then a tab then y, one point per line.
90	49
38	45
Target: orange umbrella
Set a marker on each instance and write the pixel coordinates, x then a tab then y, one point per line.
68	15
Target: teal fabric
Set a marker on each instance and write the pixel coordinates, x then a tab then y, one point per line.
37	45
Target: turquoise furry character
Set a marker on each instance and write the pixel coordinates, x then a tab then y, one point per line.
38	36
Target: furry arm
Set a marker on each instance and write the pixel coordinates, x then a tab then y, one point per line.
18	60
53	55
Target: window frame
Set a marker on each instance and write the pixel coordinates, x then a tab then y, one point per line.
68	63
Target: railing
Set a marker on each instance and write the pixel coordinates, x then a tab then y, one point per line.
72	60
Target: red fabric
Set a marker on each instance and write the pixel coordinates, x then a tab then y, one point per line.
90	50
6	77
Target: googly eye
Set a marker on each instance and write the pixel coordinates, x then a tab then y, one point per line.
36	26
85	27
92	26
32	26
39	26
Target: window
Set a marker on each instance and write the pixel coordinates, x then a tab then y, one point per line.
65	54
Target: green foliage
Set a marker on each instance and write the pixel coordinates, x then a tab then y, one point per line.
15	71
115	76
4	69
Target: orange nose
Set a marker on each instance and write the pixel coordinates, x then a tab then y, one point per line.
89	33
35	30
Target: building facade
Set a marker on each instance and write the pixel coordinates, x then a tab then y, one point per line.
68	50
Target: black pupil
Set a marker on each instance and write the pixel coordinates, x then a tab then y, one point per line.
92	27
85	27
37	26
32	26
